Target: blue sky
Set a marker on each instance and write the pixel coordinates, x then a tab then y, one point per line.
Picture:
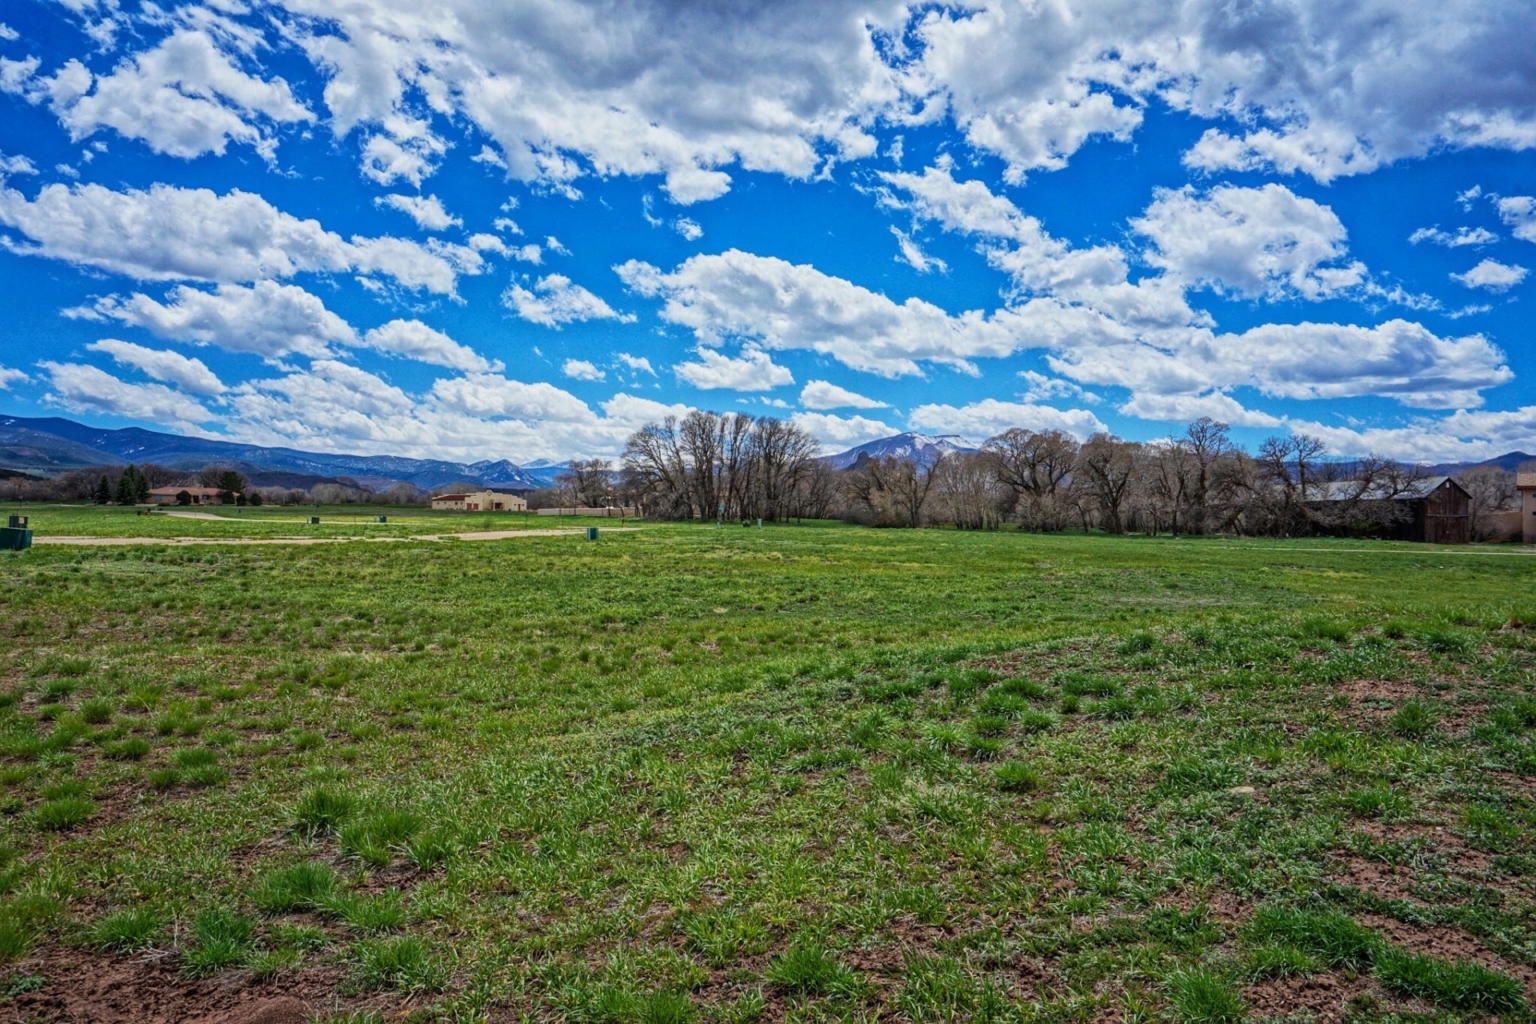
523	230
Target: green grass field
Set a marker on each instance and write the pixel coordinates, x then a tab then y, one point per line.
798	773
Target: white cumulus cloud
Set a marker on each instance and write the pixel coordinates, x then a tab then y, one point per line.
554	300
266	319
413	339
86	389
1463	236
1519	212
582	369
753	371
169	233
1249	242
426	211
839	433
185	97
780	305
821	394
1493	276
639	364
171	367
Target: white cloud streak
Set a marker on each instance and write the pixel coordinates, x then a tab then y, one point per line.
169	233
171	367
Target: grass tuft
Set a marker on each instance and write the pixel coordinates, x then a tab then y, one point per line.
1199	996
301	887
1333	938
322	810
61	815
406	964
809	968
220	940
1016	777
129	930
1463	985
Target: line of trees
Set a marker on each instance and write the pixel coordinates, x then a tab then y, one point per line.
1200	482
732	466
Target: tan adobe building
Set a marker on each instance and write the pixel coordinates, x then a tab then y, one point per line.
480	501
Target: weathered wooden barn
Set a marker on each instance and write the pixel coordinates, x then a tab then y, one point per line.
1436	511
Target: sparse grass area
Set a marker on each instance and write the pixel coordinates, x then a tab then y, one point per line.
800	773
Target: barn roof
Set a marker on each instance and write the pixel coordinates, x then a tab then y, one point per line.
1349	490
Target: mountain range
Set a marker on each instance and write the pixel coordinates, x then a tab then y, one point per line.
51	445
925	449
55	445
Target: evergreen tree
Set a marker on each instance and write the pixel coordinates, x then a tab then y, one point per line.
128	486
255	498
103	492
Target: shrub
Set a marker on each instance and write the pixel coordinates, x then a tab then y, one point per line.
125	931
61	815
301	887
323	810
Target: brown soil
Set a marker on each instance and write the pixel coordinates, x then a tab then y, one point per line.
149	989
1324	995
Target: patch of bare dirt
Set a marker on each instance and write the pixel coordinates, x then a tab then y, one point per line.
1378	698
151	990
1323	995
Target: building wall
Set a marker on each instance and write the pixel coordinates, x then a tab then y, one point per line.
485	501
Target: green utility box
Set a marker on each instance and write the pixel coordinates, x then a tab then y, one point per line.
591	533
12	539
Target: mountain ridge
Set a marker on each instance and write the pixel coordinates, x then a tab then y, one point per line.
56	445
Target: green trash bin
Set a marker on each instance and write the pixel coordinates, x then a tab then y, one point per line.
12	539
314	520
383	519
591	533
